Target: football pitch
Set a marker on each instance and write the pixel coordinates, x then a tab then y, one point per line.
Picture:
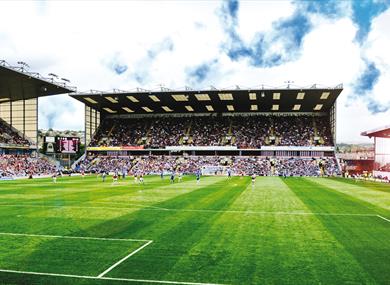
220	231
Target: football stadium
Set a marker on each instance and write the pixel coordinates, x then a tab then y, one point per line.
216	186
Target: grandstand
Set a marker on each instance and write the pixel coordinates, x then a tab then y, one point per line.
382	151
19	93
251	131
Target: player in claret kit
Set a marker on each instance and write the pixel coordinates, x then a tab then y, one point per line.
115	177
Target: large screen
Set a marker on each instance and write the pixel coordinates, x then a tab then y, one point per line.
49	145
67	144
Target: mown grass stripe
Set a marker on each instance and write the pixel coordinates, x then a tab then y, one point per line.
243	212
363	239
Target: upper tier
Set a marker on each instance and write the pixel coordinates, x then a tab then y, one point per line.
240	131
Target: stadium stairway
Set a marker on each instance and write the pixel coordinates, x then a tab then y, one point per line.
111	130
74	164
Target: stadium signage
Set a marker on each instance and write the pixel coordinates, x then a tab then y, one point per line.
114	148
3	145
104	148
132	147
299	148
180	148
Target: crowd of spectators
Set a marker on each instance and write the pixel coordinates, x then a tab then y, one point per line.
209	131
298	131
24	165
9	136
106	164
285	166
115	132
251	132
167	131
239	165
241	131
324	132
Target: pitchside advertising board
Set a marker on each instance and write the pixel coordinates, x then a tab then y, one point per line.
61	144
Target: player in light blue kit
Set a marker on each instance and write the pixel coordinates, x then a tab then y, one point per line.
172	177
229	173
197	177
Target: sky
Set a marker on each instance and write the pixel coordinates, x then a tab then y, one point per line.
102	45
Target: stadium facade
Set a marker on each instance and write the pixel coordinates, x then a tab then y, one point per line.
251	131
382	150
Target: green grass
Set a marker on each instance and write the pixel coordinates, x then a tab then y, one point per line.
282	231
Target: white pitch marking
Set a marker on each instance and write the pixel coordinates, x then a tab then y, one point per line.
106	278
123	259
72	237
195	210
383	218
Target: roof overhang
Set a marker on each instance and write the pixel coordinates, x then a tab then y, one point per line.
305	100
383	132
16	84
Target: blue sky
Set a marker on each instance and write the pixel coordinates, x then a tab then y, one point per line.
127	44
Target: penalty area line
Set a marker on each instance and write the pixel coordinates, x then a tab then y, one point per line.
105	278
383	218
123	259
72	237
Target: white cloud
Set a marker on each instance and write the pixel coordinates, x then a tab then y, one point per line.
258	16
377	49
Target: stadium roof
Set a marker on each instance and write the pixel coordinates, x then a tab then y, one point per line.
16	83
383	132
204	101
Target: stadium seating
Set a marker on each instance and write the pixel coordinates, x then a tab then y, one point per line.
24	165
239	165
241	131
9	136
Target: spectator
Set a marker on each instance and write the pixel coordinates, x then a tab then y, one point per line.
24	165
